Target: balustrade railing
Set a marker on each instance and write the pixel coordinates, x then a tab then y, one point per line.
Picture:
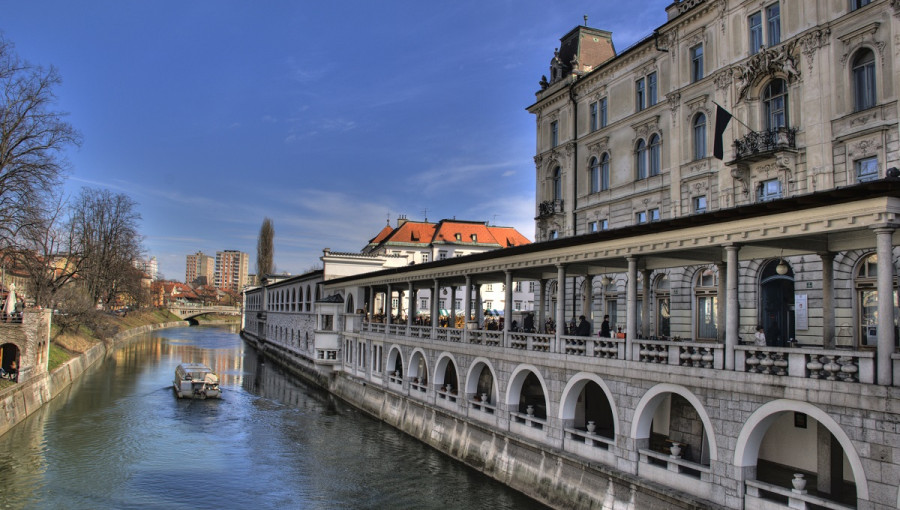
842	365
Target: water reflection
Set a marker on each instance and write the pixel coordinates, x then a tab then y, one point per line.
120	439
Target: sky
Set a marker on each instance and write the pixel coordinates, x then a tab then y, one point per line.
327	117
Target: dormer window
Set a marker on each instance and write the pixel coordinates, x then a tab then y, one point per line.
458	237
474	238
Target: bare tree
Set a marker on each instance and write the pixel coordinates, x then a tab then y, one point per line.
106	239
43	249
265	250
32	138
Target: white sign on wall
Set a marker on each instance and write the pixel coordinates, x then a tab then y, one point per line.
801	313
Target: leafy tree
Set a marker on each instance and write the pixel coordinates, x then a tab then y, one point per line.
32	139
265	250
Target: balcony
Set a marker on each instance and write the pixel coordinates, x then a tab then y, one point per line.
760	145
548	208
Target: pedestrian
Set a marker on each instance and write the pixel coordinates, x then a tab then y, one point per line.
529	322
584	327
760	336
604	327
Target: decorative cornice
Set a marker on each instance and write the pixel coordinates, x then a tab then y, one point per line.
812	42
647	127
768	62
856	38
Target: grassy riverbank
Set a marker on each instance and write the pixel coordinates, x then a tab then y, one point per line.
66	345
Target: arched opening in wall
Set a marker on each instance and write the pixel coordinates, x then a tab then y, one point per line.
796	443
586	403
706	302
9	361
531	395
677	427
395	363
776	295
350	308
866	284
418	369
663	316
445	375
481	384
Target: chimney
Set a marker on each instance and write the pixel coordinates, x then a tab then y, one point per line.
401	219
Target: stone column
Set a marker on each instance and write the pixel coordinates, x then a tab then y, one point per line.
388	305
370	306
435	306
885	303
467	301
827	300
452	319
645	303
721	291
507	297
479	306
412	307
732	313
541	325
630	307
560	306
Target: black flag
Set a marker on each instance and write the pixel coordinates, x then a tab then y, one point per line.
722	118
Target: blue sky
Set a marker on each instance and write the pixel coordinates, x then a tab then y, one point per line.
324	116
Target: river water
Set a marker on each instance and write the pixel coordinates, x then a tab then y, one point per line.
118	438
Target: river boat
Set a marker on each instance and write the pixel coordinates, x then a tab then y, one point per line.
196	380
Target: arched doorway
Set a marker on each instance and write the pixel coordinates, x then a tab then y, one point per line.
776	291
9	354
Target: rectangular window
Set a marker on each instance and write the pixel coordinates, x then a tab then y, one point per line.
517	287
866	169
554	234
554	133
327	322
595	116
756	35
700	204
603	112
654	214
639	95
488	305
707	322
423	304
773	24
697	63
489	287
856	4
531	287
640	217
458	303
517	305
425	257
442	255
651	89
769	190
604	224
592	226
442	304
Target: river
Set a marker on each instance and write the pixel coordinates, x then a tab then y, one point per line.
118	438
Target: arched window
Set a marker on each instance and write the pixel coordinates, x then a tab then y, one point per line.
863	80
866	282
594	175
604	172
640	159
699	136
557	184
662	307
654	155
706	292
775	101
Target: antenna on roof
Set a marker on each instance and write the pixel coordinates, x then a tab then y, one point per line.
389	219
494	221
585	20
425	214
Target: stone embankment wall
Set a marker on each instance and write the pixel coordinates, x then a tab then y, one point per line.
19	401
550	476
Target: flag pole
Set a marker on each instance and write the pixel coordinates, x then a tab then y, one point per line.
735	118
